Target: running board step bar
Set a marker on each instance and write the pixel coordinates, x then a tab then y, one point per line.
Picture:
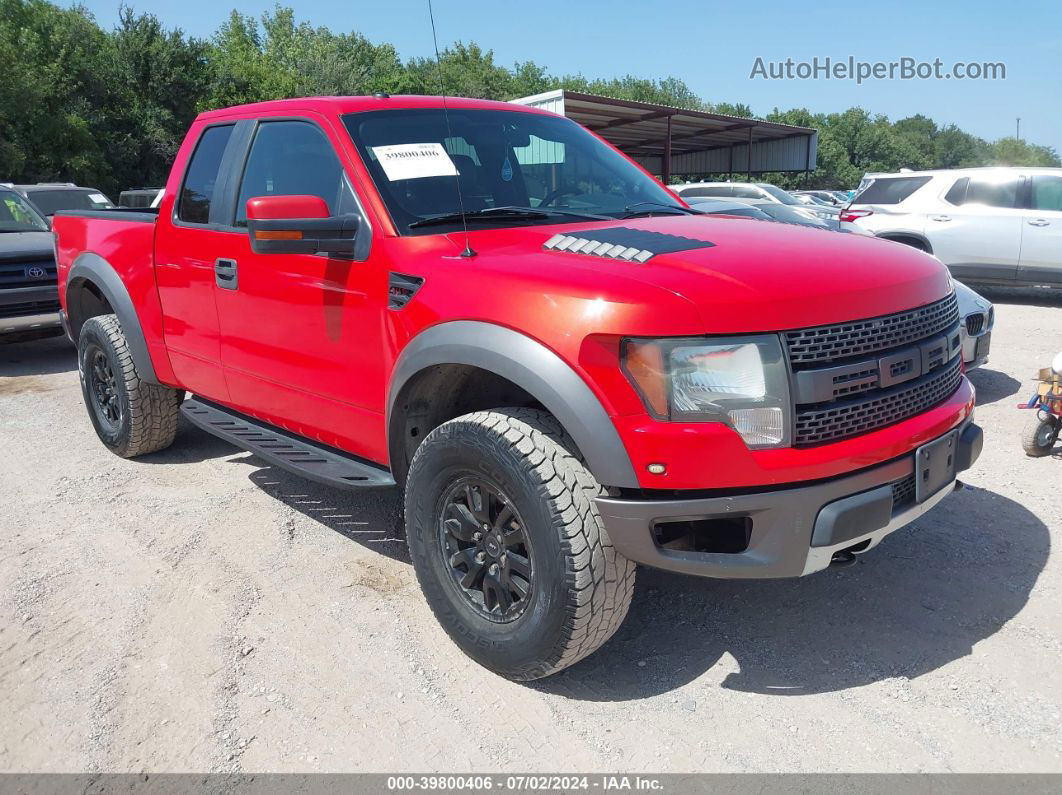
283	449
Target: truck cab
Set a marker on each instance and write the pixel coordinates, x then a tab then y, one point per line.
567	369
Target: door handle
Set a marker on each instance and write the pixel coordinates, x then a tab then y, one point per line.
1039	222
225	275
940	218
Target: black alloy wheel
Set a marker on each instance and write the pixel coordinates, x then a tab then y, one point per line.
103	388
485	543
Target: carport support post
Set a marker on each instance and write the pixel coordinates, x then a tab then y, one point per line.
807	159
748	159
666	175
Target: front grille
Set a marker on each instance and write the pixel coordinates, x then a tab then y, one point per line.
903	493
844	418
974	324
822	344
28	308
27	273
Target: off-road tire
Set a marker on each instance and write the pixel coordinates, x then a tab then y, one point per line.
1038	437
146	413
581	587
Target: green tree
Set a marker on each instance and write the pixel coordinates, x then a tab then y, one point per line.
49	95
1015	152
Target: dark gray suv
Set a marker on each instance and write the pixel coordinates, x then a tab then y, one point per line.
51	197
29	295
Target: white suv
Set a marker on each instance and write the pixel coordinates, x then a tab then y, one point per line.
988	225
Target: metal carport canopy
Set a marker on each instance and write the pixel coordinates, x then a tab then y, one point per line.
675	141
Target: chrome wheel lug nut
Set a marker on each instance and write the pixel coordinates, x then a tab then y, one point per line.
494	568
480	557
477	536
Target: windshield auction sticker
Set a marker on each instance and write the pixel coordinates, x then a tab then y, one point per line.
413	161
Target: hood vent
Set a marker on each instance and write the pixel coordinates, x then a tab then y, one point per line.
622	243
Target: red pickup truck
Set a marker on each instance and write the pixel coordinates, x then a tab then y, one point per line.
568	370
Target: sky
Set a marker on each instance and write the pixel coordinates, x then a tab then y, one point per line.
713	46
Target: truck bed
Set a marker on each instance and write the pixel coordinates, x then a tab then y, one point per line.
125	240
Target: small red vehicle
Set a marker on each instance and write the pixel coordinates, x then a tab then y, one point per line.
567	369
1041	431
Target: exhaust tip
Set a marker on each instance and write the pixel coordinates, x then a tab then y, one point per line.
842	559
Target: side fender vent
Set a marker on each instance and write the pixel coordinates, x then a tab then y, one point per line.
401	288
623	243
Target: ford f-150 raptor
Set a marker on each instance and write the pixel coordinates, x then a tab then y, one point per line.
568	370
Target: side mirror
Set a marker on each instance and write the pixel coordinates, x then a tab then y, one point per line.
298	225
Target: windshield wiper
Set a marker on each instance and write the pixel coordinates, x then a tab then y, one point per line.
503	214
677	208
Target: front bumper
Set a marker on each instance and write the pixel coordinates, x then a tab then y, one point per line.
25	309
792	531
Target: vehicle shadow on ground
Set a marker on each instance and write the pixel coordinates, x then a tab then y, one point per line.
40	357
992	385
919	601
371	517
916	603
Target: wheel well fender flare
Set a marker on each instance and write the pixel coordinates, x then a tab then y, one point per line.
534	368
95	269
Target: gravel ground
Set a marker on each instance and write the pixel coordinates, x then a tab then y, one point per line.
197	610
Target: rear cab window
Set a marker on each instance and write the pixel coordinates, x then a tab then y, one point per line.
747	192
890	190
200	180
715	190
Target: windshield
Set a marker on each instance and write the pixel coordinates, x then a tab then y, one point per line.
17	216
779	194
50	202
503	159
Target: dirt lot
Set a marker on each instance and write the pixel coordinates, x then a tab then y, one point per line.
197	610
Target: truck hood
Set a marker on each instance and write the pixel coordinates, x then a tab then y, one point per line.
25	245
743	275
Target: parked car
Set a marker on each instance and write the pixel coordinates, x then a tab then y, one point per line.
51	197
790	214
811	200
977	316
759	209
724	207
568	371
29	299
139	197
988	225
747	190
831	198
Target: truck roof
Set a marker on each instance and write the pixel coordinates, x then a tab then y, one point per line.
340	105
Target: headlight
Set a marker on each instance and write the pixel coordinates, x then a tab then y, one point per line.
741	381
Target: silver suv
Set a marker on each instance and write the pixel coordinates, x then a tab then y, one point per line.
762	191
988	225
